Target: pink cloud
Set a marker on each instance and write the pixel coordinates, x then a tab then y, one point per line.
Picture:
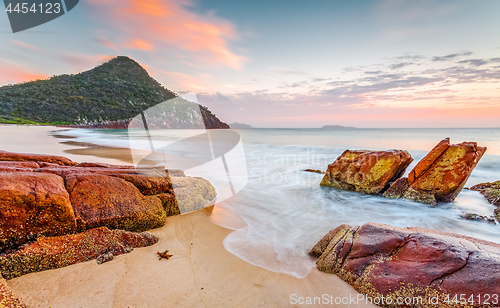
27	46
13	73
169	25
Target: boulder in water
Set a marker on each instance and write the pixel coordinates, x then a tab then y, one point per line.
366	171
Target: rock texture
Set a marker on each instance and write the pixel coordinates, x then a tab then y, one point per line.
31	205
380	260
7	298
366	171
490	191
441	174
59	160
54	252
101	200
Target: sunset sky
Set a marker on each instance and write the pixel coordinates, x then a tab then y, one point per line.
388	63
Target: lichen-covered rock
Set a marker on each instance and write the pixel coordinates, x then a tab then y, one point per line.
59	160
54	252
441	175
192	193
7	298
490	191
169	203
33	204
366	171
101	200
380	260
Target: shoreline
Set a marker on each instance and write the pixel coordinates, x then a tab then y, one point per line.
200	273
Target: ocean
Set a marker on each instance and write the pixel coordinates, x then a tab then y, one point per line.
278	211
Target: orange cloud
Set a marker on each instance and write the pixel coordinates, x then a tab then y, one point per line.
12	73
159	25
139	44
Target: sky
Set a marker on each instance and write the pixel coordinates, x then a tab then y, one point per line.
385	63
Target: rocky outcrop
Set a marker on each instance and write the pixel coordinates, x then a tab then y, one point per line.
101	200
192	193
59	160
441	174
31	205
54	252
7	298
366	171
490	191
384	261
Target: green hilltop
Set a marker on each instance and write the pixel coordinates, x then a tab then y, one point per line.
116	90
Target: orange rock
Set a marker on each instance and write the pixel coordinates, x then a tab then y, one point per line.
366	171
101	200
60	160
54	252
441	175
33	204
7	298
16	166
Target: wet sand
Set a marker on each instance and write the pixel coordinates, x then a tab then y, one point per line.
201	272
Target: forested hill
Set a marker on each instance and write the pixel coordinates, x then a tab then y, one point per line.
113	91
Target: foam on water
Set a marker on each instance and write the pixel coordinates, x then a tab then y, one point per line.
282	212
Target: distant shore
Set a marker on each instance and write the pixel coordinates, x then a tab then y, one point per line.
200	273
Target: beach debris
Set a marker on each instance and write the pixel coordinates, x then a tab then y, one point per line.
366	171
477	217
164	255
314	170
53	252
429	266
440	175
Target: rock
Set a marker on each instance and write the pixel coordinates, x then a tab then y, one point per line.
31	205
192	193
64	170
54	252
366	171
443	172
148	185
104	165
490	191
18	166
380	260
59	160
101	200
7	298
477	217
314	170
169	203
397	189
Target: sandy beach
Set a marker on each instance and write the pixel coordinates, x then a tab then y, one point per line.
201	272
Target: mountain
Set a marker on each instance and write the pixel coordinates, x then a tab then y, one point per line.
237	125
108	95
337	127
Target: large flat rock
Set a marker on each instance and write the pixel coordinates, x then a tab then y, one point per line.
380	260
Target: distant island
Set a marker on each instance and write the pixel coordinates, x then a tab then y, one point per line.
337	127
107	96
236	125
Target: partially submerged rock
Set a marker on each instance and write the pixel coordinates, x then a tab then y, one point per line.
380	260
490	191
54	252
31	205
366	171
101	200
477	217
441	174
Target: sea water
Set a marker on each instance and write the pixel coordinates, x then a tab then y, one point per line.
282	211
